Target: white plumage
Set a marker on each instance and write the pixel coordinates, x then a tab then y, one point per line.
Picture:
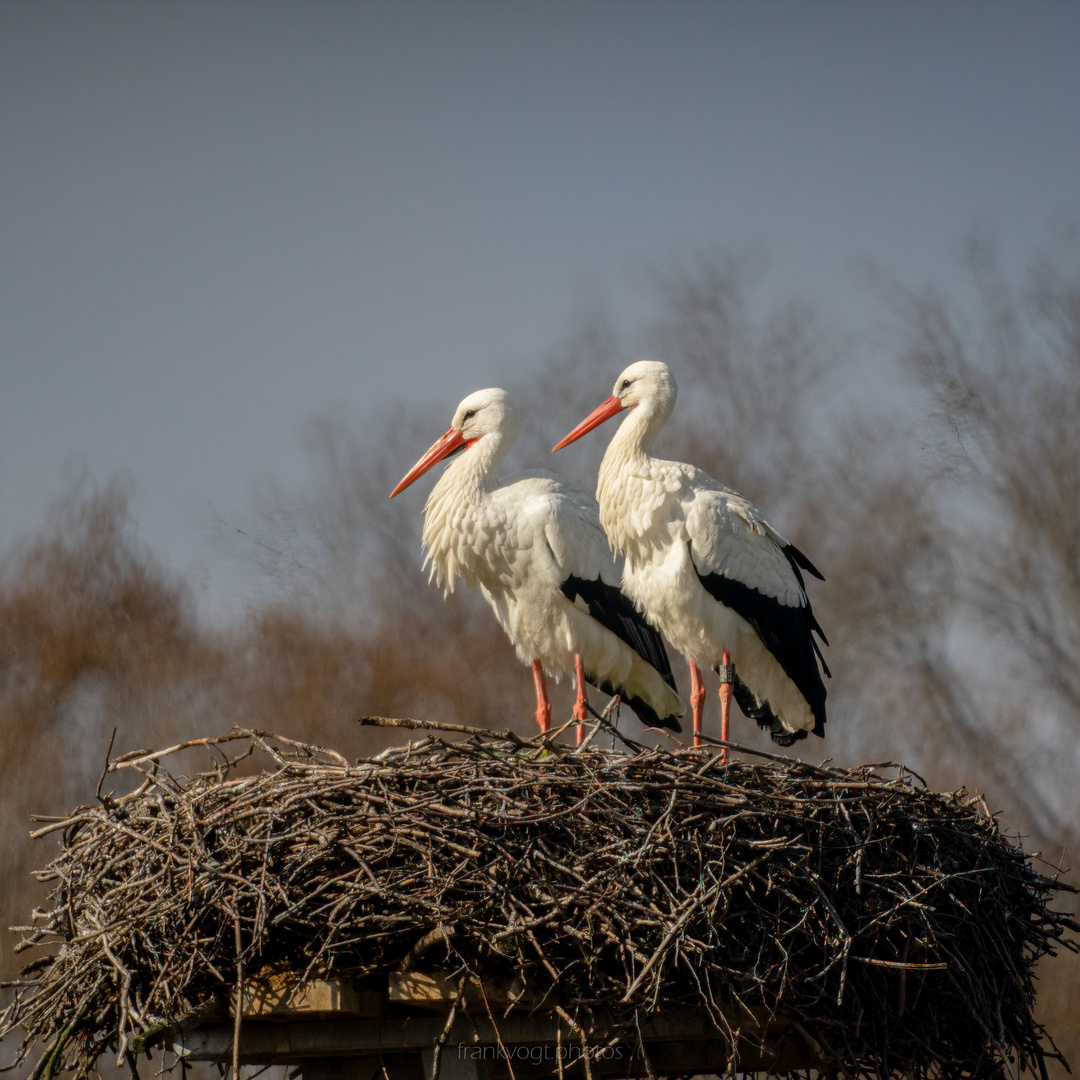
534	547
705	567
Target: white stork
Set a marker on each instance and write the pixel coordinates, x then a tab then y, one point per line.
707	569
534	547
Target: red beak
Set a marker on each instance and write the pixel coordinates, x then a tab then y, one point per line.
441	448
601	413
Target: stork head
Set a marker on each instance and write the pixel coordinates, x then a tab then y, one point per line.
647	384
485	414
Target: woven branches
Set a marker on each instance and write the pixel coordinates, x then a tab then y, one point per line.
896	927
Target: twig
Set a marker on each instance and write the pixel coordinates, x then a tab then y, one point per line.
101	779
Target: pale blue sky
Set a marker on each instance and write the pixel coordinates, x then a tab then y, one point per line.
218	219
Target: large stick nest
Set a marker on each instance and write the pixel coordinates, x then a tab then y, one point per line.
896	927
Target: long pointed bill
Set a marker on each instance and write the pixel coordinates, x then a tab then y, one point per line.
441	448
601	413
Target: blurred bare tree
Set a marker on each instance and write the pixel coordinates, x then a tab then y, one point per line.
91	630
964	613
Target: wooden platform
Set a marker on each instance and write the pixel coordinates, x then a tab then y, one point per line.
334	1030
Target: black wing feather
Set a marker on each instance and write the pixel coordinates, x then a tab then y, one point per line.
797	559
613	610
786	631
762	712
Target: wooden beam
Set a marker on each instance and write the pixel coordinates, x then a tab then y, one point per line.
287	996
476	1049
365	1068
535	1062
438	990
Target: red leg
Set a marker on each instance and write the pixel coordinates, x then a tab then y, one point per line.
697	699
581	705
727	672
543	702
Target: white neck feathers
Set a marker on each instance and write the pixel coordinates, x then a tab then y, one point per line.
452	532
632	488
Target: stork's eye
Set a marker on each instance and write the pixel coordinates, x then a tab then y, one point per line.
626	384
469	415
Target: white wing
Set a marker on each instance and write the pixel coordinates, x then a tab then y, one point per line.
729	538
557	528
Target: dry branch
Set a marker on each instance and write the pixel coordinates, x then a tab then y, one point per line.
896	927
